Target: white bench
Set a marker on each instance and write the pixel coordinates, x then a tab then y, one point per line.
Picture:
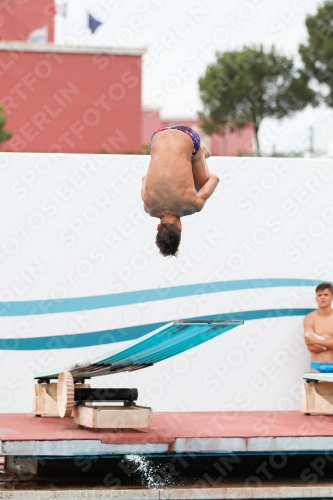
317	393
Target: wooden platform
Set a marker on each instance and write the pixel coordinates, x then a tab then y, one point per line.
177	433
317	394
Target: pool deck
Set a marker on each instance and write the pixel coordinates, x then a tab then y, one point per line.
170	433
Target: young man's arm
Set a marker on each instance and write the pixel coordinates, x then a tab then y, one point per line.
207	190
143	187
310	340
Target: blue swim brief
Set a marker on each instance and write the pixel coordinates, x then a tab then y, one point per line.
187	130
322	367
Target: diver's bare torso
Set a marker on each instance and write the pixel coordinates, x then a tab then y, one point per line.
323	326
169	185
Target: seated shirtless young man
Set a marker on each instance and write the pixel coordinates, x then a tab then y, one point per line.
318	330
178	182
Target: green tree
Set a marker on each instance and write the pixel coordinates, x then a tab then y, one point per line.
317	54
4	134
249	85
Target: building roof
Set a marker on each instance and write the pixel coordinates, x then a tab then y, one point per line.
19	46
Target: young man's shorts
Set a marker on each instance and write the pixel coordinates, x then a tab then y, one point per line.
187	130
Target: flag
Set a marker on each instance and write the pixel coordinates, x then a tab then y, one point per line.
62	9
38	36
93	23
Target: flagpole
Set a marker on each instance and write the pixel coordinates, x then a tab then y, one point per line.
61	10
64	15
66	18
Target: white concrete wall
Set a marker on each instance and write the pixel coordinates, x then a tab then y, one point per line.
73	226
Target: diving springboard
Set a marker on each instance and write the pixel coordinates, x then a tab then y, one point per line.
165	342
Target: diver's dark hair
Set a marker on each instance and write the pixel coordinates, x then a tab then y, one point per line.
168	239
324	286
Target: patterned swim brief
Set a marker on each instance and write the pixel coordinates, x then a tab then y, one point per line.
187	130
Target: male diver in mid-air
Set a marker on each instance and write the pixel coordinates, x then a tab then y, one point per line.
178	182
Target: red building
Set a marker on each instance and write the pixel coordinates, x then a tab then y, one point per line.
69	99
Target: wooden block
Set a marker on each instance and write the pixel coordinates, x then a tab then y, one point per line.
45	398
317	398
113	417
304	402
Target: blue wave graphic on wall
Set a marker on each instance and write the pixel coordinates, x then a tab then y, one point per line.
119	335
52	306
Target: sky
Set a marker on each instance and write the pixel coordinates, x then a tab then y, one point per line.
182	38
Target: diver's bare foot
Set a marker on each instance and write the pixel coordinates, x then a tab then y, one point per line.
206	152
